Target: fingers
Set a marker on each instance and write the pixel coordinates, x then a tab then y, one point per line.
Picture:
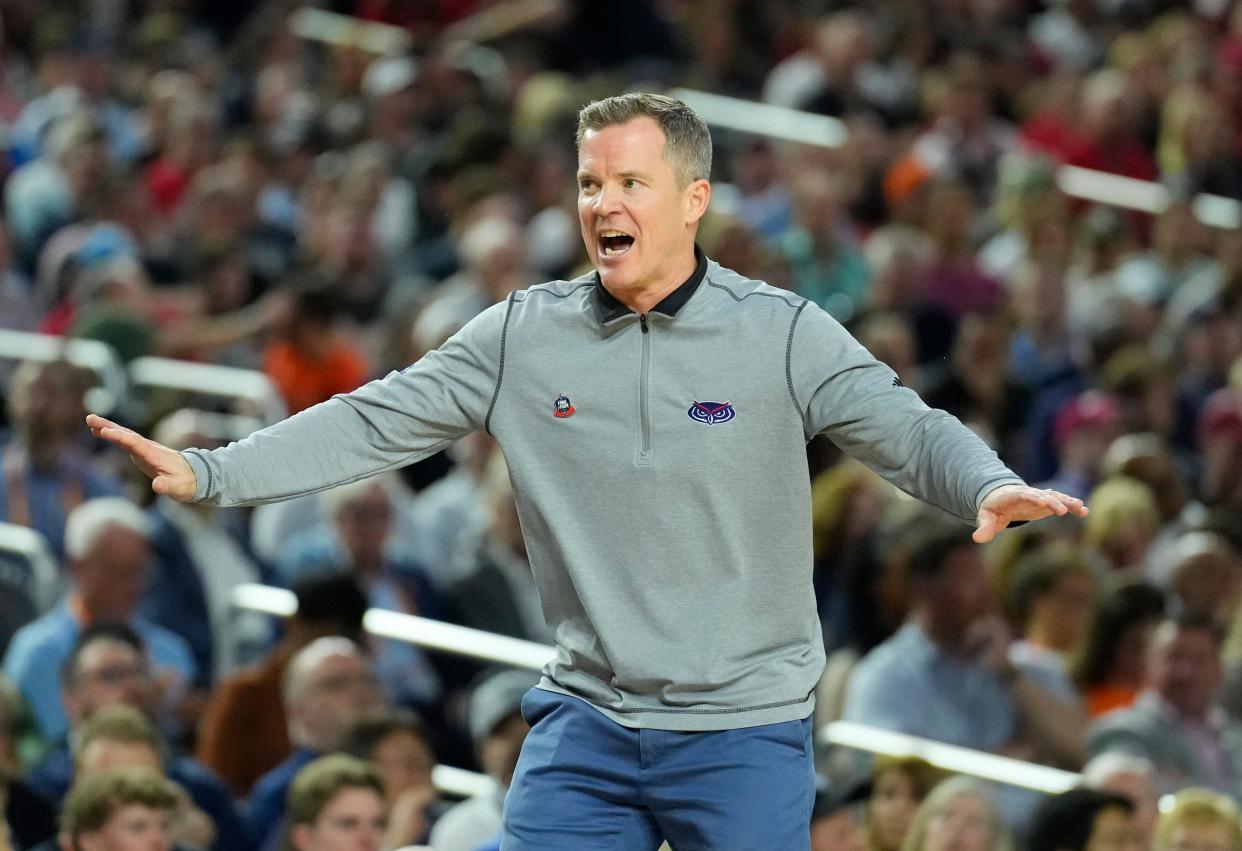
1072	504
987	529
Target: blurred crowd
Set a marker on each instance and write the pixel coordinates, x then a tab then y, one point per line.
209	182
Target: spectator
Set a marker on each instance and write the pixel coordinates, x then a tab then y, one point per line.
1177	722
199	560
116	809
1123	525
1052	596
498	729
327	686
1130	777
46	472
1083	430
496	591
1084	820
121	737
1113	666
106	541
899	785
395	744
337	802
834	823
958	815
26	819
313	360
952	654
1199	818
245	732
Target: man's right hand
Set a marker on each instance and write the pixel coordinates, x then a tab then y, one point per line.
170	473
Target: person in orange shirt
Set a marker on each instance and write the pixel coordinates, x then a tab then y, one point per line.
310	361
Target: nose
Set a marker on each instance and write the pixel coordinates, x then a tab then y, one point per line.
607	200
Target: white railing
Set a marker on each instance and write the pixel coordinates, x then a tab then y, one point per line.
34	552
225	382
808	128
986	766
501	649
112	391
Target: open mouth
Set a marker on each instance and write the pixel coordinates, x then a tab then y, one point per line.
614	243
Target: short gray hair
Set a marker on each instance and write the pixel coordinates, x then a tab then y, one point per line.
88	522
687	141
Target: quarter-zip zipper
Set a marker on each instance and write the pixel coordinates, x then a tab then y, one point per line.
644	445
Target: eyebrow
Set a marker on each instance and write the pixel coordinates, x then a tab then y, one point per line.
624	175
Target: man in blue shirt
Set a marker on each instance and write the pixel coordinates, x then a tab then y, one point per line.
106	542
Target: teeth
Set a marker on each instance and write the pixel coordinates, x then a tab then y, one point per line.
613	233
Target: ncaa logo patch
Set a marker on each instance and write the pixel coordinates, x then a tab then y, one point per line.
711	413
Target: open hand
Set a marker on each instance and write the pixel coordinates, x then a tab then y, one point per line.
1020	502
170	473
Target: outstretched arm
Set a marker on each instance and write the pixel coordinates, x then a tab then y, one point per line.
382	425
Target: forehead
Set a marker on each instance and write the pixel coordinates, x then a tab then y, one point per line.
106	651
638	143
355	801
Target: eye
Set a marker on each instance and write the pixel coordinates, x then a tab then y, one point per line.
630	183
586	184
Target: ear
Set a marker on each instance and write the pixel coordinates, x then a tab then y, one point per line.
697	195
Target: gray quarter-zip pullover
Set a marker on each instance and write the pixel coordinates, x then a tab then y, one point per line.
659	468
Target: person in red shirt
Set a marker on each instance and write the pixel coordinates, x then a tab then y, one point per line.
311	361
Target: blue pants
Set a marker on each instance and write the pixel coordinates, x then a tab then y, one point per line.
586	783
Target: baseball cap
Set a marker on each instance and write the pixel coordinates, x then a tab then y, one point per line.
1092	409
497	698
1221	416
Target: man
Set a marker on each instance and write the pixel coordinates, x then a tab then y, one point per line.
498	730
245	732
1084	820
1131	777
946	674
106	669
125	809
655	416
1177	722
328	686
107	546
337	804
45	472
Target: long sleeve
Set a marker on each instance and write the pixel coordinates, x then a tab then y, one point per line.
857	401
385	424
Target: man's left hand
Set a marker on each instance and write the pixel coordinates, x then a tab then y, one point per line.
1019	502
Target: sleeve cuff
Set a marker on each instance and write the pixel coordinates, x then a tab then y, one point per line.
202	473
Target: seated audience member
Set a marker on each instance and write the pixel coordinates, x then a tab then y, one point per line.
107	546
946	674
199	559
1122	526
1205	577
26	819
312	360
498	730
958	815
245	732
44	471
834	820
1202	820
360	540
1112	669
1052	594
1084	820
1131	777
1082	431
121	736
327	687
395	745
496	590
121	810
1177	722
337	803
898	786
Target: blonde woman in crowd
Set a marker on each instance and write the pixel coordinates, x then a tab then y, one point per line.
958	815
1200	820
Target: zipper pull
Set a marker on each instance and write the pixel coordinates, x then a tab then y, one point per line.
642	321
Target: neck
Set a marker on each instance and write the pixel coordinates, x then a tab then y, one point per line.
644	296
945	637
